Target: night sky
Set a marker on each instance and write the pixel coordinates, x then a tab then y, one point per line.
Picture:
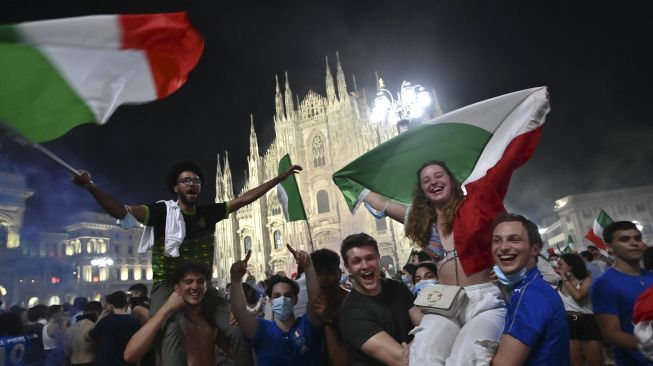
595	60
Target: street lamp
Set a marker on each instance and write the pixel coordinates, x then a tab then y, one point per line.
411	103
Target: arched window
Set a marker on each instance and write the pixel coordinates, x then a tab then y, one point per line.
273	205
54	300
248	243
318	151
322	202
278	243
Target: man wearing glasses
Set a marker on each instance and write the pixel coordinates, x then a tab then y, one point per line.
180	231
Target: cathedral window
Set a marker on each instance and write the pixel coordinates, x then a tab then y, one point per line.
248	244
322	202
273	205
278	242
319	158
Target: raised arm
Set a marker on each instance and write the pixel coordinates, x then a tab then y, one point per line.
111	205
579	294
312	282
256	193
394	210
246	319
142	340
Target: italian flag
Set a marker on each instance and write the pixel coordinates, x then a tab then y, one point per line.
498	133
58	74
288	194
595	234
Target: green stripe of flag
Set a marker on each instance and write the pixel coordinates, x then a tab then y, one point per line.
391	167
29	82
288	193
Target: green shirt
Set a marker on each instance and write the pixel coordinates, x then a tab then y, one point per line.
199	243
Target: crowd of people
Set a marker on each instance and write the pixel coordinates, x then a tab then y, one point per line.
479	291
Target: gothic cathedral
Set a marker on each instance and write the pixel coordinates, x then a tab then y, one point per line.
322	134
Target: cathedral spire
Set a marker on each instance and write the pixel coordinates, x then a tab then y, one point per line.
253	143
278	100
330	88
290	107
228	184
342	84
219	186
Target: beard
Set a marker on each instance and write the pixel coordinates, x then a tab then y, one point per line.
186	200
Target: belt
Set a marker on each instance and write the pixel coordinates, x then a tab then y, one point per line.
574	315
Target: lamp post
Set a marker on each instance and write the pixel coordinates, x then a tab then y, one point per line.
411	103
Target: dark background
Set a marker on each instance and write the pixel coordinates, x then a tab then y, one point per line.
594	59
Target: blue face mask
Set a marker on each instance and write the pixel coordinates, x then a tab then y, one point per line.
423	283
509	279
282	307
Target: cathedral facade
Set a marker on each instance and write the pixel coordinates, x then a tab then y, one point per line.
322	134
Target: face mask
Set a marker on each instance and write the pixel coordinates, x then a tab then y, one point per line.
511	279
423	283
282	307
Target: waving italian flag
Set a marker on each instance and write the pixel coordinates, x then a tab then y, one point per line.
498	134
595	234
57	74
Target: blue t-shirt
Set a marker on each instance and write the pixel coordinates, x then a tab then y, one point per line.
537	318
615	293
301	345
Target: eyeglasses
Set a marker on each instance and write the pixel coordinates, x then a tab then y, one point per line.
188	181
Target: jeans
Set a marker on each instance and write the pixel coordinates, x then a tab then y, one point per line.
467	339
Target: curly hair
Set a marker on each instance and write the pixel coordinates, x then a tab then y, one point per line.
422	214
173	173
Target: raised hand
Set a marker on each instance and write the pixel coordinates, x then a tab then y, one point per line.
291	170
83	179
303	259
239	268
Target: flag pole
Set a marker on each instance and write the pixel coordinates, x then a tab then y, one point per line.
22	140
310	236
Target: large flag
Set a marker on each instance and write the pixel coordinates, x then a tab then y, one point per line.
472	140
57	74
288	194
595	234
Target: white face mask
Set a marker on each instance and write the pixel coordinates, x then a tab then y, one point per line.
282	307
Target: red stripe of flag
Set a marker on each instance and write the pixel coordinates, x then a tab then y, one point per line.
172	45
595	239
